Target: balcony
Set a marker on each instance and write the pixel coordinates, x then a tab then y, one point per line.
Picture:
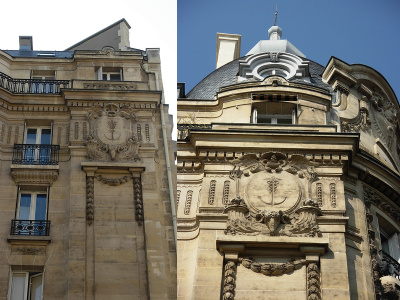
389	266
32	86
34	154
30	227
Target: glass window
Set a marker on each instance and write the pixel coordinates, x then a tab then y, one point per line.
26	286
32	206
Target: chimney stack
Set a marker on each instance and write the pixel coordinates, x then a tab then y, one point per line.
228	48
25	43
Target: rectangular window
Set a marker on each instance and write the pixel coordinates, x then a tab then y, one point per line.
31	212
109	74
36	151
32	206
26	286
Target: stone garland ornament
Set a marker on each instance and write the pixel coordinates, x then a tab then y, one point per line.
111	134
188	202
211	194
301	221
229	281
138	199
113	182
89	199
274	269
225	195
313	282
376	274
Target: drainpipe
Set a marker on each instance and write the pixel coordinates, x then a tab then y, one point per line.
166	151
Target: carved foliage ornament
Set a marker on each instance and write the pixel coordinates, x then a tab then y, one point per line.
113	182
385	118
111	133
266	209
274	269
362	123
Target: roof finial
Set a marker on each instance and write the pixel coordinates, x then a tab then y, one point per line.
276	14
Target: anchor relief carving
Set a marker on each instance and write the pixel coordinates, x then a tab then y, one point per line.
111	133
275	198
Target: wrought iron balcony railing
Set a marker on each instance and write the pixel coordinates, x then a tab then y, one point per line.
184	129
32	86
34	154
30	227
389	266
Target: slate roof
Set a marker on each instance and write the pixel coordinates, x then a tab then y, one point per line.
32	54
226	75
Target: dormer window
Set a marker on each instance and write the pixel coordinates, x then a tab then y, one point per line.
273	112
109	74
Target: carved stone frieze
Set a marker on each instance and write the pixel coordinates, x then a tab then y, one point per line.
229	281
273	202
363	122
112	133
385	118
113	181
303	222
384	204
29	250
272	269
114	86
47	177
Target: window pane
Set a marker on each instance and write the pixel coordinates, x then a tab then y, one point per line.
385	244
36	287
104	76
284	121
18	286
115	77
264	120
31	136
41	201
24	207
45	138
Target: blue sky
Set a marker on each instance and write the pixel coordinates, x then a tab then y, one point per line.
365	32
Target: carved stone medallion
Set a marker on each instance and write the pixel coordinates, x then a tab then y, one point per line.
111	133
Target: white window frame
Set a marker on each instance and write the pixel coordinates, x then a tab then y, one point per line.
38	133
100	74
32	210
27	285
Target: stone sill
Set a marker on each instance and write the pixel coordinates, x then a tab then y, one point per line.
28	240
35	167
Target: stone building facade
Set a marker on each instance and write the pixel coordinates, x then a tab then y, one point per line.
288	182
86	180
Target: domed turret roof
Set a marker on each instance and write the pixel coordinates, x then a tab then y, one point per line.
228	75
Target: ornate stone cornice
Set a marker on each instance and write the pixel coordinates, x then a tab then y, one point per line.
34	176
